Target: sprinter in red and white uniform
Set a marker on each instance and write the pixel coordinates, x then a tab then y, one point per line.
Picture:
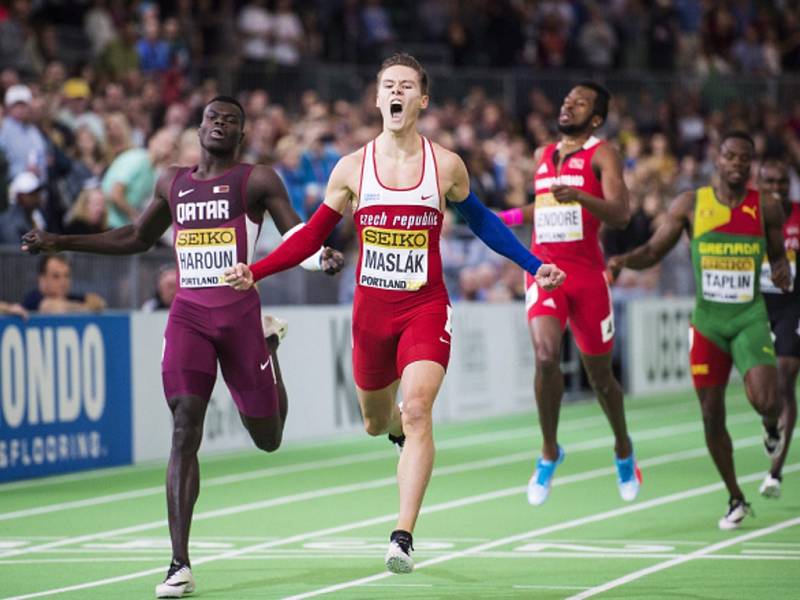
579	187
397	186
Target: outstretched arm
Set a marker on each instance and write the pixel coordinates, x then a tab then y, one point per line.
128	239
304	241
490	229
266	191
773	229
662	241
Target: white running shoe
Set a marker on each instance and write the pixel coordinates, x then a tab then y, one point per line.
274	326
737	511
398	560
629	477
178	582
771	487
542	479
774	440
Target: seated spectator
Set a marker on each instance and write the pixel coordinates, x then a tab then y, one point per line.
166	288
53	295
23	213
13	309
89	214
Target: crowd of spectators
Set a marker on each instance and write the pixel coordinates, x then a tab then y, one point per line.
85	132
744	36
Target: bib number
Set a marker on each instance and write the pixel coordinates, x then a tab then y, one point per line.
394	259
555	223
203	255
728	280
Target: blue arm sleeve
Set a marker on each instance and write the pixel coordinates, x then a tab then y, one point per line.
488	226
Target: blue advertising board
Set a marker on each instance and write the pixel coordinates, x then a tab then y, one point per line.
65	394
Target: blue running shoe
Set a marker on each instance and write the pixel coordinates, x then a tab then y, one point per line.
629	477
542	479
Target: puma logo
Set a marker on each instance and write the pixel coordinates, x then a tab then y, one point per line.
182	193
750	210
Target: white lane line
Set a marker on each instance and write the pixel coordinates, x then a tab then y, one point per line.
359	457
445	506
620	581
293	555
388	481
549	587
486	438
378	483
669	499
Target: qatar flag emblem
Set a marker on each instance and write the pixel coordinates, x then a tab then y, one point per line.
221	189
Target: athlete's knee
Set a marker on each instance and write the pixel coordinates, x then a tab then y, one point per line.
187	428
269	443
375	425
416	415
186	437
548	359
767	402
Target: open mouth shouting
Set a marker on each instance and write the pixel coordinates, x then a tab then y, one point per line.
216	133
396	110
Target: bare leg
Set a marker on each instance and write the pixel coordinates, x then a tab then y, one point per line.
761	387
420	384
718	440
609	394
788	368
547	336
183	472
379	410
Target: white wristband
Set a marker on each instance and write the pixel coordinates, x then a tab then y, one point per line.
313	262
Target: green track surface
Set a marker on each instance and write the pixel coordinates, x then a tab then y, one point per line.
314	519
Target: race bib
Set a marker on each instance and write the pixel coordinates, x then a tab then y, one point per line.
203	255
394	259
556	222
728	279
767	287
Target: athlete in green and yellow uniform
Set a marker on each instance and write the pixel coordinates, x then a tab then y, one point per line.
731	227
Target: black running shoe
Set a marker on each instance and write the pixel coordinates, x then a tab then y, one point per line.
398	441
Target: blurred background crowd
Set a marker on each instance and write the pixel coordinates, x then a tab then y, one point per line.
99	96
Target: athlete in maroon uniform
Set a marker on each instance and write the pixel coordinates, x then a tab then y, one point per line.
578	186
397	185
216	209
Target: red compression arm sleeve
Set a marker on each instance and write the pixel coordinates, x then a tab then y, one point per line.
300	246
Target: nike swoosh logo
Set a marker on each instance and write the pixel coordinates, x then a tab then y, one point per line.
182	193
441	339
264	365
428	197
